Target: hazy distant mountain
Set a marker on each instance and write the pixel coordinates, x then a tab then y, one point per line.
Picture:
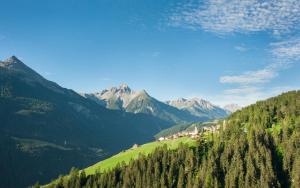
232	107
46	129
199	107
123	98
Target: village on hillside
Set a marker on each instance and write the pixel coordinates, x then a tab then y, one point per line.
194	134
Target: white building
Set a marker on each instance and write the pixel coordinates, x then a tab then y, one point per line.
195	132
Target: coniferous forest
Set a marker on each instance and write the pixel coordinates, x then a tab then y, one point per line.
258	146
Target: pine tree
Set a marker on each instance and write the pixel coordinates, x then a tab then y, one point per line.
180	182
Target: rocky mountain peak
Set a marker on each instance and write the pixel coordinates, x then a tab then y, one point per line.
124	88
122	94
182	102
202	103
15	64
177	101
12	61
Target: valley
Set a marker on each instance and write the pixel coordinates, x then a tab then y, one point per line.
42	121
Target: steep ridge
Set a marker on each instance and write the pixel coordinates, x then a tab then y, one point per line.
144	103
48	129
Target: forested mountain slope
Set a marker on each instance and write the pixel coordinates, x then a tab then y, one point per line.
258	146
46	129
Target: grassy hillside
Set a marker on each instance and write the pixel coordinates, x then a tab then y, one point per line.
126	156
129	154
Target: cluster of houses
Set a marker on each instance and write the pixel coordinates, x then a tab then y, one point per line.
192	134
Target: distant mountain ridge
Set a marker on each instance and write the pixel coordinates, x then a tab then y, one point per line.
199	107
180	111
232	107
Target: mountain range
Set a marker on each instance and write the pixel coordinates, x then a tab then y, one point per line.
177	111
46	129
42	121
199	107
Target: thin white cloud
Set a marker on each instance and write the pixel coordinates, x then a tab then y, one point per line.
241	90
279	18
229	16
250	77
240	48
286	51
283	53
246	96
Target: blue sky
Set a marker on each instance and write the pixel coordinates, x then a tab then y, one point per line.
225	52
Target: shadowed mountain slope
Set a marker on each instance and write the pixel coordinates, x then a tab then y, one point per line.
45	129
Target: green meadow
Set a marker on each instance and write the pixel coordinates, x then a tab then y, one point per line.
130	154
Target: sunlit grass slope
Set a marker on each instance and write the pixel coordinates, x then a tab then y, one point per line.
129	154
